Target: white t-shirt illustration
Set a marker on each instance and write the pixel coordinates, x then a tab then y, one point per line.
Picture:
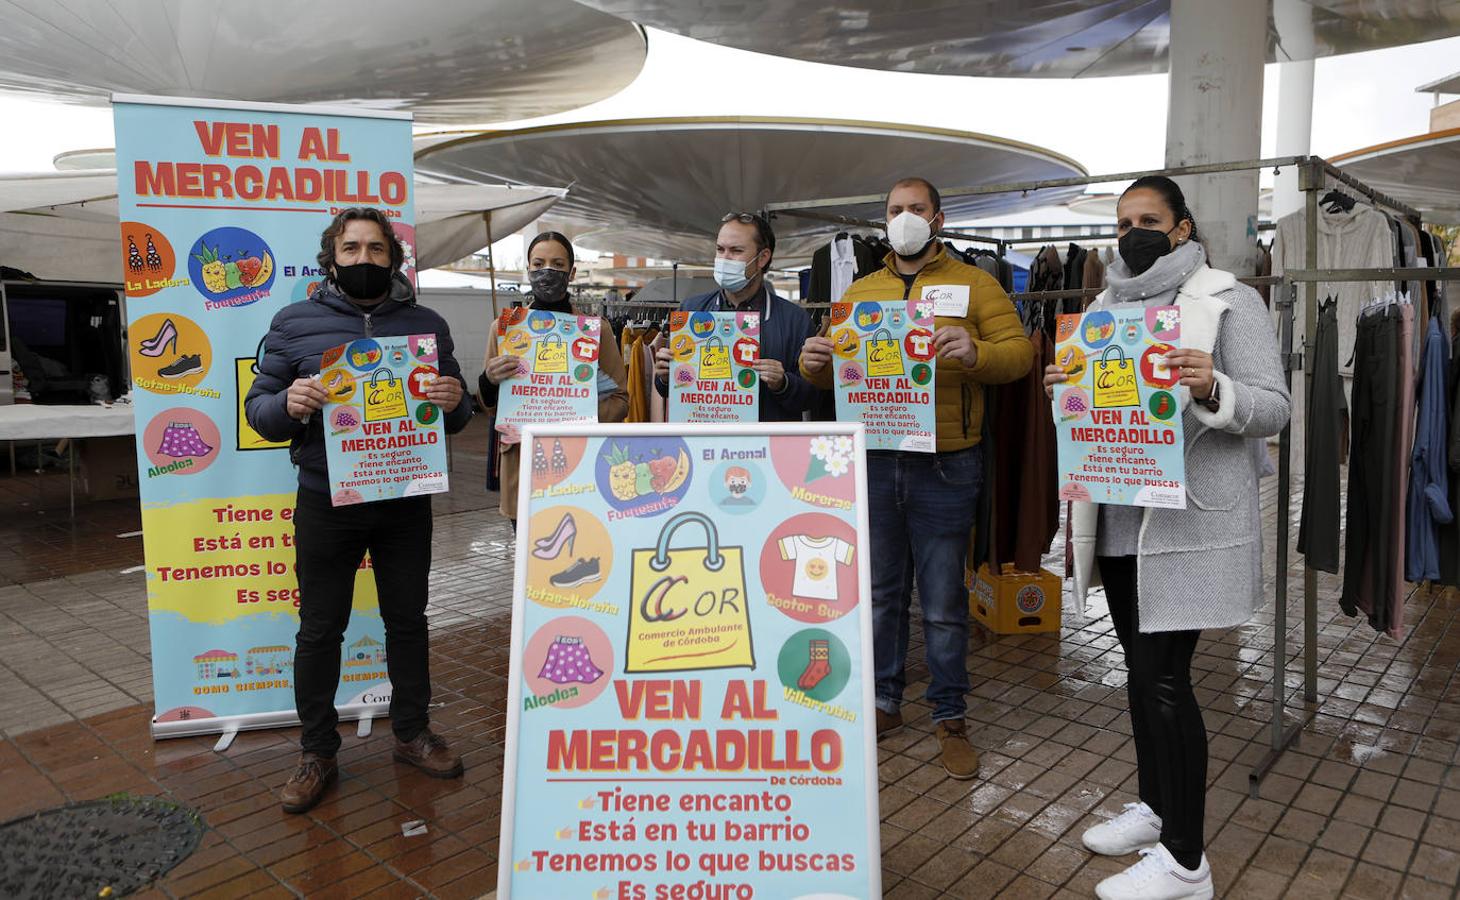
816	560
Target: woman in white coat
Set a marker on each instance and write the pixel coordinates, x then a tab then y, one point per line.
1169	573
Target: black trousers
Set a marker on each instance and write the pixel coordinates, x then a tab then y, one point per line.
1327	432
330	543
1171	739
1373	500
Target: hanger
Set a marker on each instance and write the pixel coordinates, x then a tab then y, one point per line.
1337	201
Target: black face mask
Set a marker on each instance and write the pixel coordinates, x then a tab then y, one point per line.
548	284
363	281
1141	247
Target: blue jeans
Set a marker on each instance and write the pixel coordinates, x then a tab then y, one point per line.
922	508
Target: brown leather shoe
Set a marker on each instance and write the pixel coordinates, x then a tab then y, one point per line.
429	753
959	758
309	782
888	724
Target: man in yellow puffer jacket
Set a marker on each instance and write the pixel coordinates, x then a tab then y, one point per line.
922	505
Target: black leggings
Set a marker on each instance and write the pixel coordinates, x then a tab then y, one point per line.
1171	740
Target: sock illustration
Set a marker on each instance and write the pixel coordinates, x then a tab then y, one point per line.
817	668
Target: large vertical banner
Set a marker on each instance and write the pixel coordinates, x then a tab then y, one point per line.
222	205
690	699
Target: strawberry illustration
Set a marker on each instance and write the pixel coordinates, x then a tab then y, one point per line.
662	469
248	270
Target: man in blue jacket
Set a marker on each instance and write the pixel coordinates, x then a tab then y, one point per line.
365	296
743	252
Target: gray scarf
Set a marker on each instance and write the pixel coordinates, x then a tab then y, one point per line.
1157	286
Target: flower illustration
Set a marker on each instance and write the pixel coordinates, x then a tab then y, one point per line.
828	458
925	309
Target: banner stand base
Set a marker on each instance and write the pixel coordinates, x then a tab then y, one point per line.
225	740
362	728
228	726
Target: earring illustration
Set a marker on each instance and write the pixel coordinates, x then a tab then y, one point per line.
164	341
154	259
560	460
134	256
551	547
539	460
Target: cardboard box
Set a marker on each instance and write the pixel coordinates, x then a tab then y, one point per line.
108	467
1015	602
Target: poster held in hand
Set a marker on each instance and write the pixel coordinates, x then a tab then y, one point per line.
1118	416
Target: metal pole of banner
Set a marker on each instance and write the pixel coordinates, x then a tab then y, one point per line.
491	261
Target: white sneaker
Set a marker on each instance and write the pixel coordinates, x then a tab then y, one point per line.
1135	829
1158	876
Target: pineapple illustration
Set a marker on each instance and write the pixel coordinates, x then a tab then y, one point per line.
622	477
215	275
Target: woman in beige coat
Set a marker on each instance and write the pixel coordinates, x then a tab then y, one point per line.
550	269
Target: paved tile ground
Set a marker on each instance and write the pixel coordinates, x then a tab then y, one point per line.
1367	806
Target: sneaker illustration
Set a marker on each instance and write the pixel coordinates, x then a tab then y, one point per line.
580	572
182	366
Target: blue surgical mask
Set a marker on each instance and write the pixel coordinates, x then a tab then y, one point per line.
730	274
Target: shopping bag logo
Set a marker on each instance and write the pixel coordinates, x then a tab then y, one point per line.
385	396
1115	380
714	359
884	355
552	355
688	607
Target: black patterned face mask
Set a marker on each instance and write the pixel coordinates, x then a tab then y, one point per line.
548	284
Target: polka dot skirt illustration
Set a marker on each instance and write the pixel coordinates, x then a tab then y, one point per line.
568	661
181	439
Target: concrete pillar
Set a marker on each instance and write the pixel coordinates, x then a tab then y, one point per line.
1293	22
1215	115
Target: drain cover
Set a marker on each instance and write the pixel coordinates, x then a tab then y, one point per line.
120	843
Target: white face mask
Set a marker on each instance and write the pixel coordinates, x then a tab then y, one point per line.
909	233
732	274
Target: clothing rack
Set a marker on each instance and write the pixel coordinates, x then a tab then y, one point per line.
1314	174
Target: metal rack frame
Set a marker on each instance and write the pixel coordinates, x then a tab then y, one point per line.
1315	173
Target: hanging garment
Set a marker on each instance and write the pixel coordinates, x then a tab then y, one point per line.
1094	274
1318	537
843	266
1373	573
1449	537
1355	239
1403	440
1429	482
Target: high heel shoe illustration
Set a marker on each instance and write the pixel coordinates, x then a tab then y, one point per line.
164	341
565	534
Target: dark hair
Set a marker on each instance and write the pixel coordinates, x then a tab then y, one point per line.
763	234
1171	193
556	237
326	257
925	184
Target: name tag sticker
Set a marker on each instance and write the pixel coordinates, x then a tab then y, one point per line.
948	299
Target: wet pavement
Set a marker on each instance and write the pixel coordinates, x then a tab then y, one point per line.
1368	805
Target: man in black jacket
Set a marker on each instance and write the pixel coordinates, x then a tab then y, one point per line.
744	248
365	296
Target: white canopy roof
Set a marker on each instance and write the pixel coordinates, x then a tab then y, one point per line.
659	187
466	61
1049	38
1422	171
63	224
